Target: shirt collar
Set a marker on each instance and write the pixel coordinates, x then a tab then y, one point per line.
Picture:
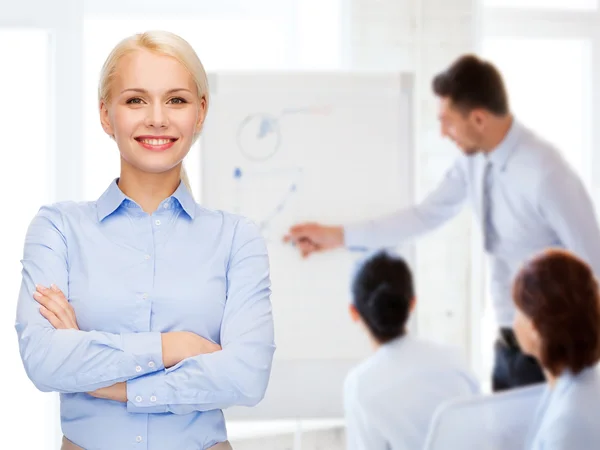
499	156
113	197
567	378
185	199
110	200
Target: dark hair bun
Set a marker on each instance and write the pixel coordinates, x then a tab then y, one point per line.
382	292
387	312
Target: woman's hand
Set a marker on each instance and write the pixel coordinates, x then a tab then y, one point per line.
116	392
55	307
58	311
180	345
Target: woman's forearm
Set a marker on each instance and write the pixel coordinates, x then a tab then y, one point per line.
179	345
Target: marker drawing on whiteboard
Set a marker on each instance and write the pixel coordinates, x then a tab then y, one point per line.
259	135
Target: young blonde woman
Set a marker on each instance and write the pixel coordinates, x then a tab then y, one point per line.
147	312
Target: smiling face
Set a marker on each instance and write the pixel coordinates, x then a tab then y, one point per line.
465	129
154	112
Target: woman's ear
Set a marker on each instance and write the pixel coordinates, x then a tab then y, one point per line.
536	340
354	315
105	119
201	114
413	304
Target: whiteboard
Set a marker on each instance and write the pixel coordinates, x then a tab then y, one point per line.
282	148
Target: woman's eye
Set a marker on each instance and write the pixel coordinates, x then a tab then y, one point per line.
134	101
177	100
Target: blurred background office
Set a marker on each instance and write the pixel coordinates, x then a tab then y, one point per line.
54	149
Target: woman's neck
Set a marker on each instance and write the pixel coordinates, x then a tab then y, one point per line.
376	345
551	378
149	189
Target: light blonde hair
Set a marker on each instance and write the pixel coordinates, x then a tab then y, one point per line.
163	43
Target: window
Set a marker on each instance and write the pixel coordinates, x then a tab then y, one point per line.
24	187
552	96
319	34
544	4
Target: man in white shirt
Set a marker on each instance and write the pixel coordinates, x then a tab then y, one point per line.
522	191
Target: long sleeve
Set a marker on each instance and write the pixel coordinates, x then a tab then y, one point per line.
71	361
239	373
443	203
569	211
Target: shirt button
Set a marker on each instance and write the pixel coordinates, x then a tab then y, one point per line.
153	398
166	205
138	369
147	257
144	295
157	222
138	399
151	364
138	439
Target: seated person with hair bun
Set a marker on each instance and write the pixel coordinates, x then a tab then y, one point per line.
390	398
558	323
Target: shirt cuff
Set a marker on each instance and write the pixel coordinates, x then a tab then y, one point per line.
145	348
156	409
356	235
145	396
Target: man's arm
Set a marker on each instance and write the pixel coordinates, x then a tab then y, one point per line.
440	205
569	211
443	203
239	373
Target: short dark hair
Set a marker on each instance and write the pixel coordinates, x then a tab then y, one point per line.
382	293
472	83
559	293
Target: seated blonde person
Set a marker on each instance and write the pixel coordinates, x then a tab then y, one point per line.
558	323
391	397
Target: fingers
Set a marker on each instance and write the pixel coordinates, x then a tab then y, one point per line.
65	304
304	236
51	317
307	247
300	232
56	304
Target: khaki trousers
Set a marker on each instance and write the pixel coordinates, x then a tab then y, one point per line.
68	445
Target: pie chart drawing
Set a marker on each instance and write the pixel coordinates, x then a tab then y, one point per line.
259	136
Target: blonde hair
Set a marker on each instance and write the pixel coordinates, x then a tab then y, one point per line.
163	43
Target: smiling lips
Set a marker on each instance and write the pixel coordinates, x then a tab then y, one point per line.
156	143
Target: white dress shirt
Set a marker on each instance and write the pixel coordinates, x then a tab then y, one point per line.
568	416
390	398
536	201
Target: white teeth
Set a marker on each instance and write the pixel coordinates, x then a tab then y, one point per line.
155	141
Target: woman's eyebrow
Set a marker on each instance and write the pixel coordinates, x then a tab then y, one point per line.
144	91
